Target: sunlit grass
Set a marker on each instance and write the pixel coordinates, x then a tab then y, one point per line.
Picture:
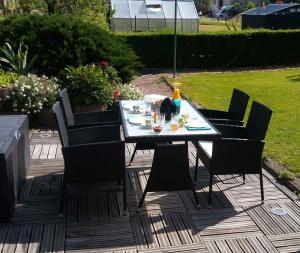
278	89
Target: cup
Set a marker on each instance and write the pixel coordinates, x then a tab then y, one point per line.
174	124
135	108
185	116
148	122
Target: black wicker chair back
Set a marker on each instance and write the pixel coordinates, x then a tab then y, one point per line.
238	105
67	109
56	108
170	170
258	121
240	149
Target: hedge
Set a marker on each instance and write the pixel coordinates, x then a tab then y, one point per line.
235	49
60	41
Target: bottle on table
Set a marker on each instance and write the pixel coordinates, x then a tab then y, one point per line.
177	100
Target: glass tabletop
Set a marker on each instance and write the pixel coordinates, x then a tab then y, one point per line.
193	126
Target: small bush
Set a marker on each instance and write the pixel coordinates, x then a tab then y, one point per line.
66	41
6	78
286	176
90	84
31	94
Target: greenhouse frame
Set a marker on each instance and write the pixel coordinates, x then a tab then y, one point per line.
151	15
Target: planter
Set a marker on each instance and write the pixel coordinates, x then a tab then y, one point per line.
45	119
89	108
3	92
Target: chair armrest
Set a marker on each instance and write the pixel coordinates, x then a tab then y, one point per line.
226	122
94	134
96	117
210	113
230	131
94	161
237	156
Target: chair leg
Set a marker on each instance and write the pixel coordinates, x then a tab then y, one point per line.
124	195
196	198
210	189
262	187
133	154
196	167
142	199
244	178
62	199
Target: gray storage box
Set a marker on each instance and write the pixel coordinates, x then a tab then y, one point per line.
17	125
9	178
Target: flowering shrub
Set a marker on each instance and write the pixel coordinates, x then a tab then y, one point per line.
30	94
90	84
129	92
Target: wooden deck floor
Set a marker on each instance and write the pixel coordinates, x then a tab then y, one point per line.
168	222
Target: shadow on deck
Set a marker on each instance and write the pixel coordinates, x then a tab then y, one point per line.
168	221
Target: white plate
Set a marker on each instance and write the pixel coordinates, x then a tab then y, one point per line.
279	211
137	120
135	112
196	124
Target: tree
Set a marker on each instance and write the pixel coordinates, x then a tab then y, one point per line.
94	11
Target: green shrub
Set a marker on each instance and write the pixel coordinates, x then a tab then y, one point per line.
30	94
6	78
65	41
227	49
90	84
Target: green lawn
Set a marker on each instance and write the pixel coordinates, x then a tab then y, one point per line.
278	89
215	25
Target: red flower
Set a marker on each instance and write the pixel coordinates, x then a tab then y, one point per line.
116	95
103	64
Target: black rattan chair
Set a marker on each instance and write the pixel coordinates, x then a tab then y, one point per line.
77	120
170	170
239	151
235	113
91	154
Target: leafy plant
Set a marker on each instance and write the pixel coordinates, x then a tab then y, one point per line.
30	94
6	78
90	84
16	62
286	176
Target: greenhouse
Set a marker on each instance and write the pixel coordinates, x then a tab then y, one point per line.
151	15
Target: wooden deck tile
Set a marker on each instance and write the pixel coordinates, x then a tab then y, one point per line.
249	193
110	235
271	224
191	248
164	230
251	244
33	238
225	223
45	151
286	243
45	167
167	222
40	210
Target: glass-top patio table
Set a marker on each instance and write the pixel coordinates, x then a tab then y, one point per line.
139	133
170	167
